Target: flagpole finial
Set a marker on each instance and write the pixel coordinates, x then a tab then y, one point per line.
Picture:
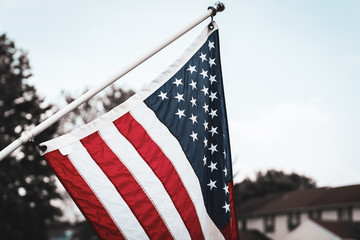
218	7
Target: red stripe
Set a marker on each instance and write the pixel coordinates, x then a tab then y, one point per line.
127	186
231	230
163	169
83	196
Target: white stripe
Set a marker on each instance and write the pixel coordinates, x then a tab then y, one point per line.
172	149
143	174
106	193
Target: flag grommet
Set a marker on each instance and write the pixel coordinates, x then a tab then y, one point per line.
211	25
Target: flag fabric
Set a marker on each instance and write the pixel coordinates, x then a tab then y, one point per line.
157	166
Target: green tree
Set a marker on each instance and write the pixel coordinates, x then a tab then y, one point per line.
271	181
26	182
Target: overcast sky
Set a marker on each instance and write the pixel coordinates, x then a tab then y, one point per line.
291	69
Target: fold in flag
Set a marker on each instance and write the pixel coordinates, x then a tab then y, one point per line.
157	166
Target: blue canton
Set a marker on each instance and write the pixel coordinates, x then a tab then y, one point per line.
192	106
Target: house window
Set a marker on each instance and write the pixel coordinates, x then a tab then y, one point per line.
345	214
316	215
269	223
293	220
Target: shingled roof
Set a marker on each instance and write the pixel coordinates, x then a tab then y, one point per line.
349	230
300	200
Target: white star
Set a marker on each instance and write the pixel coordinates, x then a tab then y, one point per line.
205	124
213	148
212	166
191	69
226	189
211	45
194	136
225	171
212	79
205	142
211	184
205	90
178	82
180	113
179	97
204	160
204	73
224	153
212	61
193	85
213	131
213	96
162	95
206	107
203	57
213	113
193	118
226	207
193	102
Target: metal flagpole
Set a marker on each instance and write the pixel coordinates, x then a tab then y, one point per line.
30	135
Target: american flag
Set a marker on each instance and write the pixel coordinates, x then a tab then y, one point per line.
159	165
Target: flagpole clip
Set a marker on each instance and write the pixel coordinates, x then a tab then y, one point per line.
218	7
37	145
29	136
42	148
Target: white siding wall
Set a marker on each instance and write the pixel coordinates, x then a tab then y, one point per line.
303	217
255	223
310	231
329	215
356	214
280	228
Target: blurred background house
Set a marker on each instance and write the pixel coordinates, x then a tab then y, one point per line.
318	213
